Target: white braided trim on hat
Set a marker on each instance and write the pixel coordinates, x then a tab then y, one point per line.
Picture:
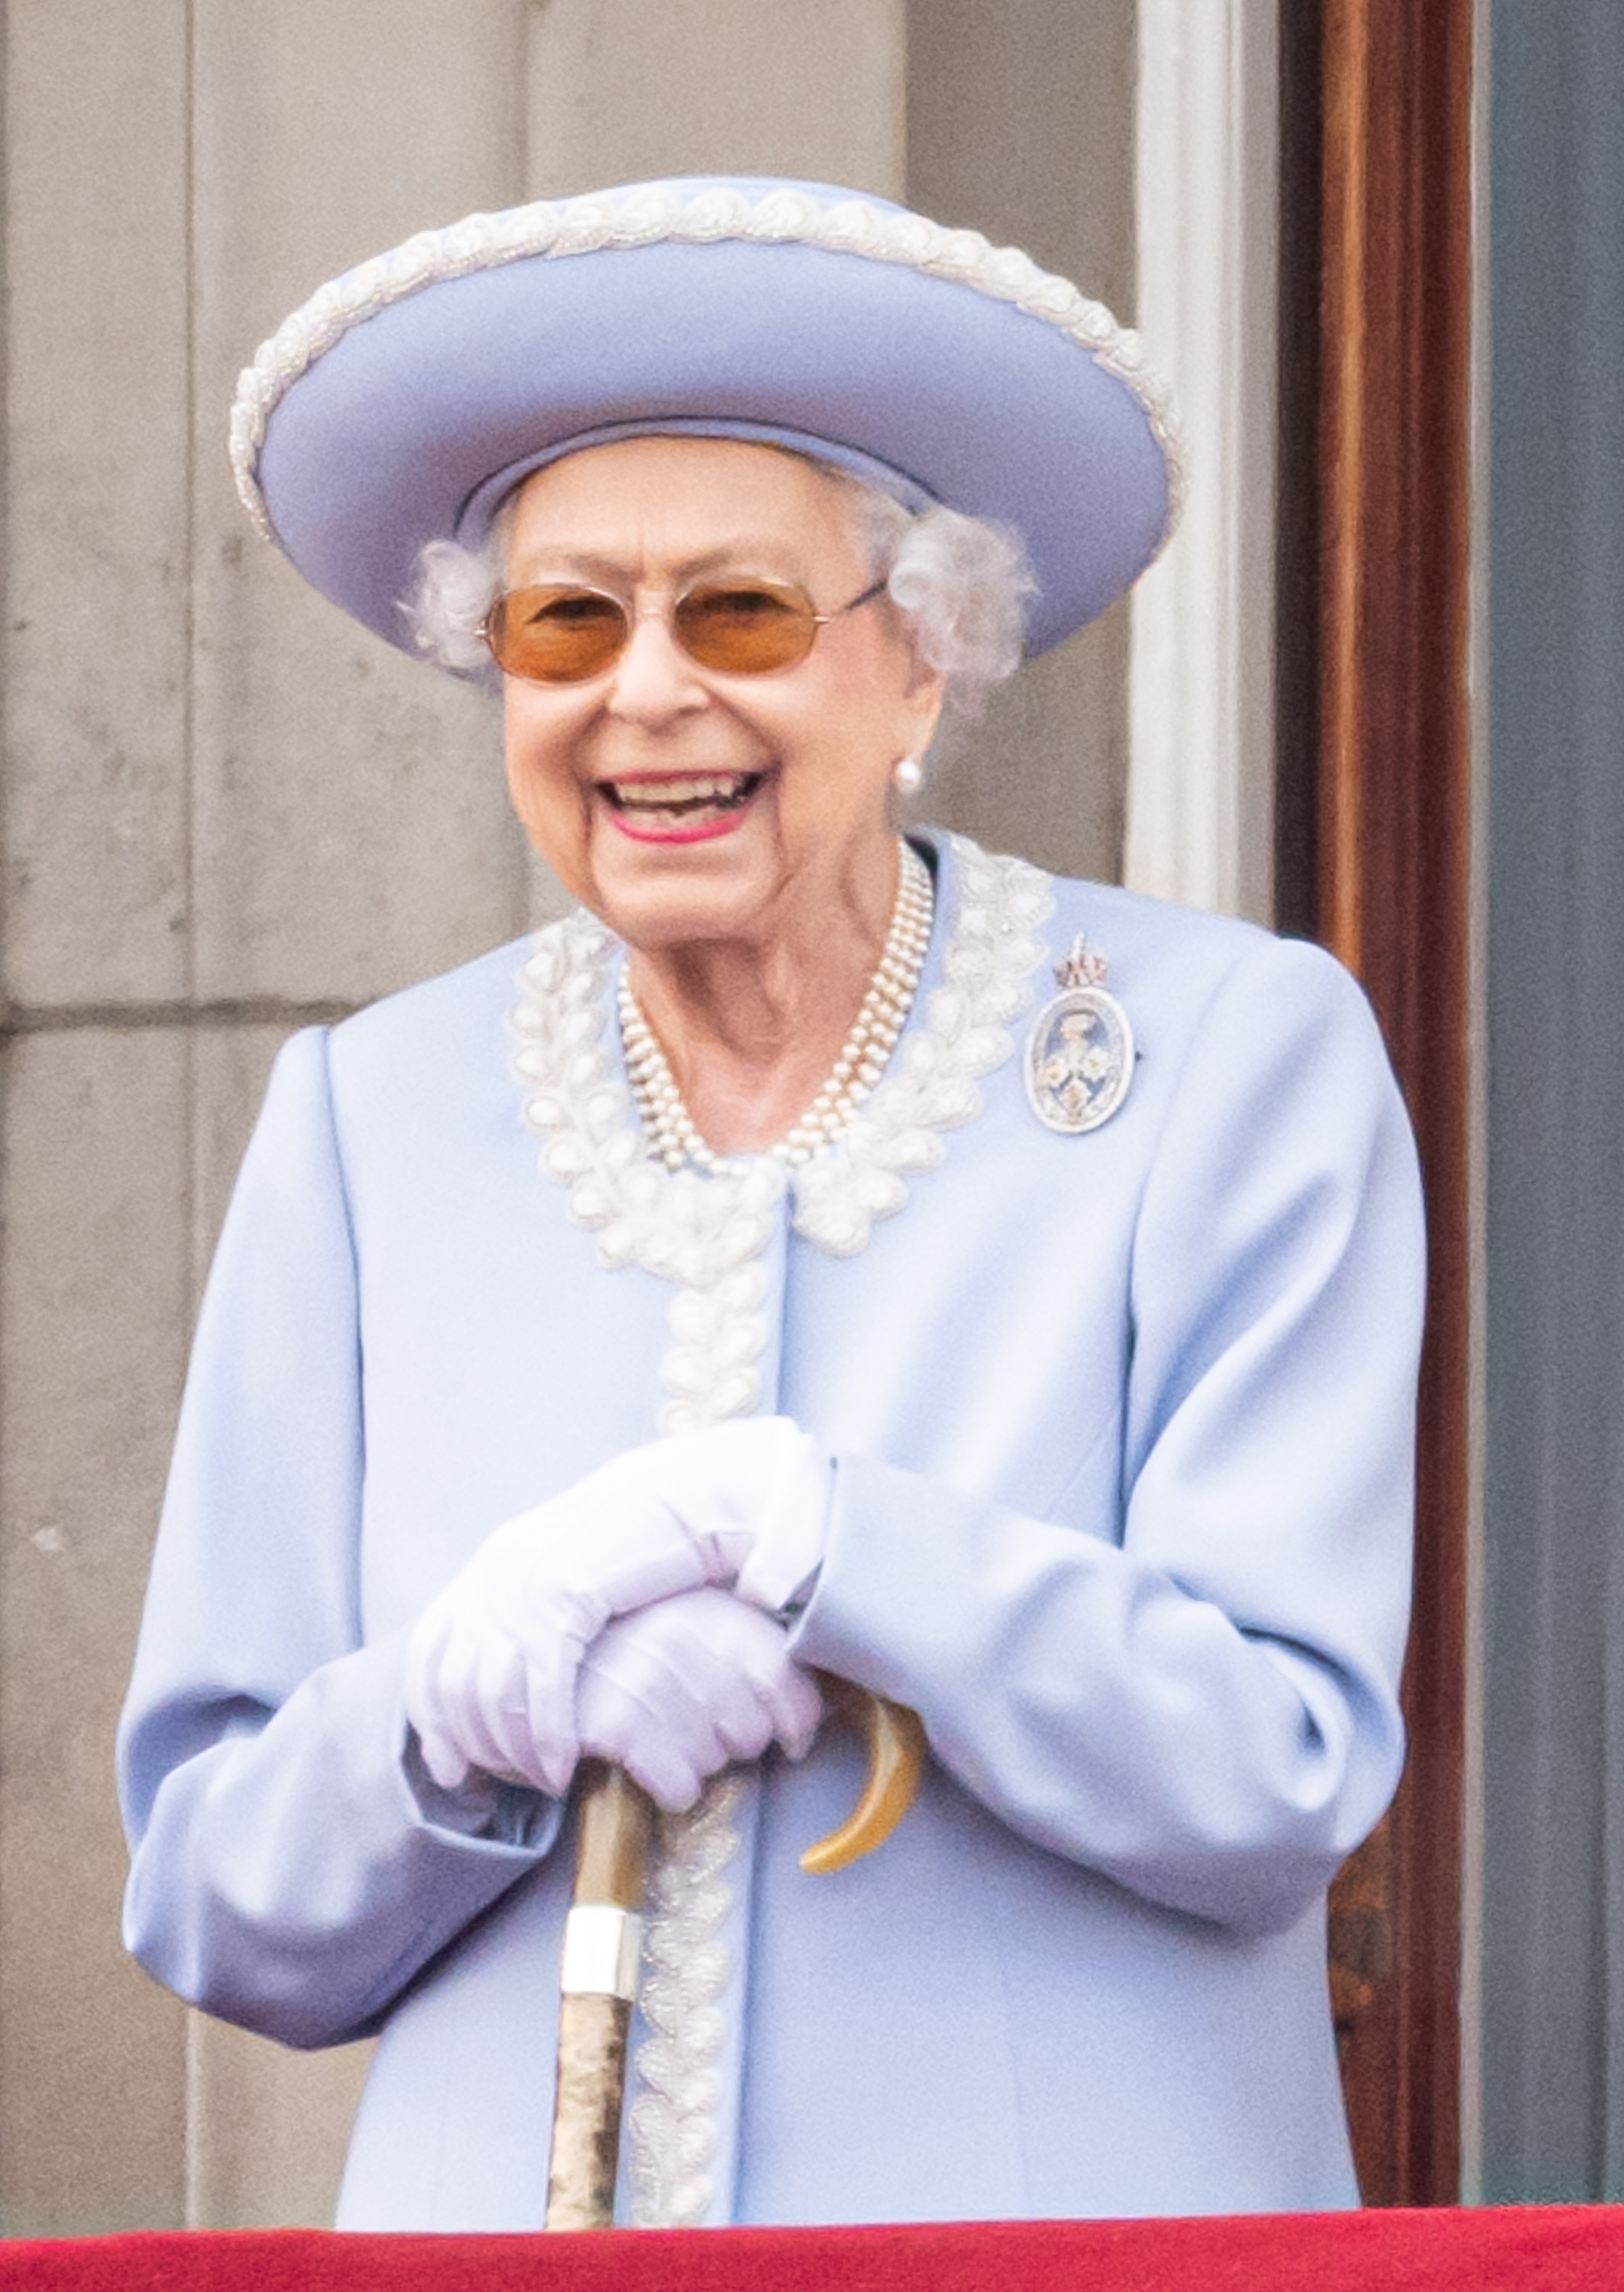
652	216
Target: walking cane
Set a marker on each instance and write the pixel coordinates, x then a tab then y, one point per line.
603	1939
604	1929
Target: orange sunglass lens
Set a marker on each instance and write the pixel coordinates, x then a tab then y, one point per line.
555	636
746	631
562	636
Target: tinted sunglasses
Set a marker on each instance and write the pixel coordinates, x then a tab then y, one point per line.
558	634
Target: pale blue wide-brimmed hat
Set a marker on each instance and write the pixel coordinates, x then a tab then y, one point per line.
407	398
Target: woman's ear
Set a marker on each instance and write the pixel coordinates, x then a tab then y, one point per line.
922	700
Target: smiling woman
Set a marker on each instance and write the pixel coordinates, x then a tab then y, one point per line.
732	828
1060	1394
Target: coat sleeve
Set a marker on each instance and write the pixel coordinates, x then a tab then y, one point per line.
293	1865
1200	1702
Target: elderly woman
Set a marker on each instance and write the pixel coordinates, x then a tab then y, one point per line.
999	1292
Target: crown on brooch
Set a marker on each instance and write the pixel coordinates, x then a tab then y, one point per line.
1084	966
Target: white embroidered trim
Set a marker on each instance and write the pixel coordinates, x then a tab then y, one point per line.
652	216
687	1970
699	1231
703	1233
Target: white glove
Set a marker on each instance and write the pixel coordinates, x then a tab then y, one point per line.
679	1690
491	1664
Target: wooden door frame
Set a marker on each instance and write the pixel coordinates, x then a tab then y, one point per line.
1373	856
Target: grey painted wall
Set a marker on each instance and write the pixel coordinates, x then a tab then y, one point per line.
1553	1988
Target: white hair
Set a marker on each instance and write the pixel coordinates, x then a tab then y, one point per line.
963	582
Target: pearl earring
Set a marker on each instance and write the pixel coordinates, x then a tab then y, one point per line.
908	776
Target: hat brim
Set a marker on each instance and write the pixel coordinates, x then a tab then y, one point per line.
419	418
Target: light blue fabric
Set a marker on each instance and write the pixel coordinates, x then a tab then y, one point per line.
417	422
1124	1432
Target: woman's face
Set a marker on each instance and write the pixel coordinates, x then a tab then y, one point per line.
681	803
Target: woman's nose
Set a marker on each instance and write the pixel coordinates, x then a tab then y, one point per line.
654	678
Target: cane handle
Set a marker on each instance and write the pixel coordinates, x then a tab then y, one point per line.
896	1754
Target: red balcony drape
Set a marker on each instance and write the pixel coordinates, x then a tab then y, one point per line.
1552	2248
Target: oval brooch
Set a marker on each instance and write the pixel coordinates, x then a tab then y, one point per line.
1079	1053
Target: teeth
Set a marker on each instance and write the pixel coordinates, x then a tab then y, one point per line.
647	795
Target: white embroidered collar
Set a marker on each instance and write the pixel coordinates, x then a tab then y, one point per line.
705	1233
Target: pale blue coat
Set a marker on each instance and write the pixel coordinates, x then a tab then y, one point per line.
1124	1432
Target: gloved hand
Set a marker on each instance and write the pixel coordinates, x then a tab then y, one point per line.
491	1664
676	1691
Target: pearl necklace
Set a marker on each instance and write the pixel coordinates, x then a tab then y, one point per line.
669	1126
